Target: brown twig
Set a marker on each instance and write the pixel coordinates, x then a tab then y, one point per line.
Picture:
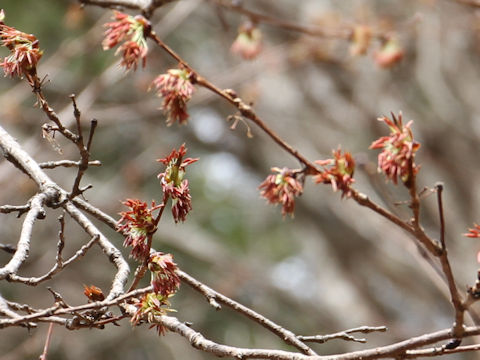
48	313
47	342
457	302
244	109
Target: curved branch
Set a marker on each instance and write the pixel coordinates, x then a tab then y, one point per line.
286	335
23	247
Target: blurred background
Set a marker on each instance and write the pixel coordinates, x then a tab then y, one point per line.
334	265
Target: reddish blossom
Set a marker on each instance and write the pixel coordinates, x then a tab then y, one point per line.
150	306
173	183
165	280
93	293
248	43
398	156
474	233
389	54
131	54
338	172
281	188
25	52
131	31
176	90
137	225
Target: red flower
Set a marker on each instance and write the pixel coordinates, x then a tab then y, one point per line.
338	172
398	155
173	183
176	89
25	53
165	280
248	43
282	188
131	30
138	224
148	308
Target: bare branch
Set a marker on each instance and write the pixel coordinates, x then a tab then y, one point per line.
6	209
286	335
344	335
114	255
59	266
21	254
66	163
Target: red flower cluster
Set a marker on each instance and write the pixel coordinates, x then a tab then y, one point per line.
338	172
281	188
173	184
25	53
149	307
398	155
248	43
131	30
165	280
176	89
138	224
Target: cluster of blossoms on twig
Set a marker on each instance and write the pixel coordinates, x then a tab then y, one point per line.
165	280
282	188
165	284
150	306
337	172
24	48
397	159
176	89
131	31
174	185
137	225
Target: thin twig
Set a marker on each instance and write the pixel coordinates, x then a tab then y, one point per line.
344	335
59	266
244	109
438	351
6	209
66	163
23	247
47	342
456	300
